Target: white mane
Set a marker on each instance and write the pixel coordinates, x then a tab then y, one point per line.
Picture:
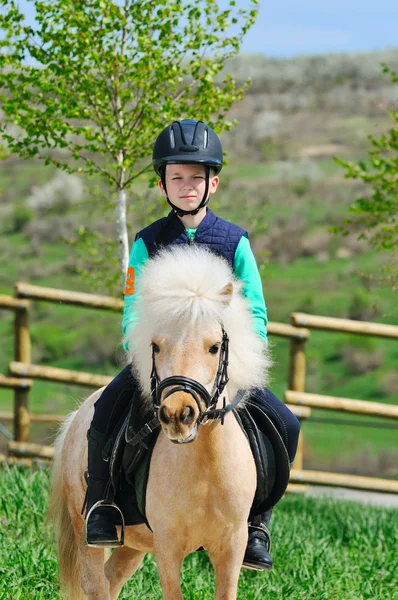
182	287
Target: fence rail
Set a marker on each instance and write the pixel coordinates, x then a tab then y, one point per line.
35	292
344	325
14	382
358	407
42	417
45	373
22	373
356	482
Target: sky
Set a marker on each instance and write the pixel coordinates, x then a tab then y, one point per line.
287	28
291	27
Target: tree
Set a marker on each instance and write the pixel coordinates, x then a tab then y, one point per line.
375	216
91	83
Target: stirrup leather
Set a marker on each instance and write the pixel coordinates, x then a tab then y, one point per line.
105	504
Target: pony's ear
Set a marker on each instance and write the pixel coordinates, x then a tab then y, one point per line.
226	293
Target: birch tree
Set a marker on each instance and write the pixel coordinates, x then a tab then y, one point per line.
90	83
374	215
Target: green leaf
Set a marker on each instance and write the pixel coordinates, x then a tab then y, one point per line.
90	84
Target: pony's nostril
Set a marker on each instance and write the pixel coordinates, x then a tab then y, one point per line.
187	415
163	416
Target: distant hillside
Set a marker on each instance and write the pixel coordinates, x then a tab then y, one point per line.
303	100
319	71
283	186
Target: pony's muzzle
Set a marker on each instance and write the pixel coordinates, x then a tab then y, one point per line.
178	416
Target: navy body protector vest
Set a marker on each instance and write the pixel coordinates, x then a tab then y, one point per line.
221	237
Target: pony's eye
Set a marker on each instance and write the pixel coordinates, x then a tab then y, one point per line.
214	349
155	347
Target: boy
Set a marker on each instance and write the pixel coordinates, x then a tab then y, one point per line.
188	158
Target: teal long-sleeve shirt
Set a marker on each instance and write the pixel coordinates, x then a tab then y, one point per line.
245	269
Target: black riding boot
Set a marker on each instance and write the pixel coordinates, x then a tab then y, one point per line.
257	556
100	524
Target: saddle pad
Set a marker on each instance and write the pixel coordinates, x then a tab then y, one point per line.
269	452
127	481
131	494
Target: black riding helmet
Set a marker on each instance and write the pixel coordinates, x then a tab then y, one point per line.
187	142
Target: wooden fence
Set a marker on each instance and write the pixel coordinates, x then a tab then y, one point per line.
22	373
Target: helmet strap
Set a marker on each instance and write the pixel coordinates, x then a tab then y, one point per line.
205	200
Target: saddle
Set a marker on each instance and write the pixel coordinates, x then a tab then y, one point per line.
136	438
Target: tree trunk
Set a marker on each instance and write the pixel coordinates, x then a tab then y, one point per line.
122	232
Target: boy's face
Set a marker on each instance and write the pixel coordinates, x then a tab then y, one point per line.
186	185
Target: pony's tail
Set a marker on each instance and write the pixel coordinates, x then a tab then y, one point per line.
68	561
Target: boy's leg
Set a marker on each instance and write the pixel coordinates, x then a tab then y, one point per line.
258	549
101	529
114	401
257	556
108	409
281	416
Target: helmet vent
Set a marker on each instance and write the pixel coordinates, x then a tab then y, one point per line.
172	139
205	138
188	148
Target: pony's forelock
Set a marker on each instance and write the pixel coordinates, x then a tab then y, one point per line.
181	288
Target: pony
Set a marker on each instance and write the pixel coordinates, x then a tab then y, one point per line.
194	328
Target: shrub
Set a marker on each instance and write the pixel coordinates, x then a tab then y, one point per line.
58	194
21	217
389	383
300	187
306	303
359	362
50	230
363	306
274	149
315	243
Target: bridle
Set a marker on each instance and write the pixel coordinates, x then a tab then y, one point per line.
180	383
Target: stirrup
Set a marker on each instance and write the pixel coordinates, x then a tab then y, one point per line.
105	504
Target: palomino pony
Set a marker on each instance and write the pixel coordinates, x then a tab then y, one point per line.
198	493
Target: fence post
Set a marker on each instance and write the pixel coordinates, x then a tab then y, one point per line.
297	384
22	354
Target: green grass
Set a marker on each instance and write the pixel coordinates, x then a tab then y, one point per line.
322	550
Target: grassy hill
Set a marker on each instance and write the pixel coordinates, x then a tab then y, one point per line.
283	185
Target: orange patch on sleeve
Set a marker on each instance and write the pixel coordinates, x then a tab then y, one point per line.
129	289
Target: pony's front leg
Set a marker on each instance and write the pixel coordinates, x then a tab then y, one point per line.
168	560
227	561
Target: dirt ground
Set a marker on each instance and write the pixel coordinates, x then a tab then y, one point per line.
371	498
